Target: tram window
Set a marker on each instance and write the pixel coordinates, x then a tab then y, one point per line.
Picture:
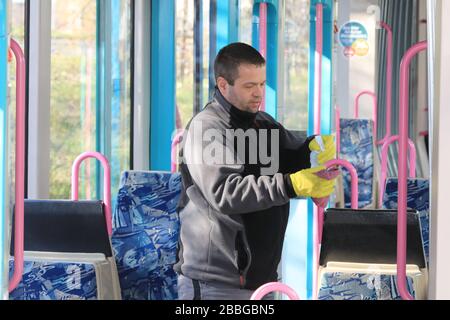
73	83
205	63
245	21
192	82
17	32
184	61
120	157
293	111
76	92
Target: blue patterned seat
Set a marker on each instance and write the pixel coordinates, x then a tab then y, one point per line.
145	234
357	148
418	199
361	286
55	281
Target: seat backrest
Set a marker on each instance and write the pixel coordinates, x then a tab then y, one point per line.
64	226
67	249
368	236
356	141
145	234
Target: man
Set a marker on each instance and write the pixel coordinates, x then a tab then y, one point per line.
239	169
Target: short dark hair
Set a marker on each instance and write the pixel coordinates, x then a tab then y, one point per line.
231	56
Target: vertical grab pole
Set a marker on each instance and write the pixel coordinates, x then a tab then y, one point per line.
388	81
20	166
263	40
318	211
106	183
374	111
402	165
4	58
338	130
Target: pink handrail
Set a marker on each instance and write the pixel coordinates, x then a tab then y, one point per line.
354	190
337	120
106	182
402	165
388	29
173	151
263	40
354	178
375	108
272	287
384	151
20	166
320	210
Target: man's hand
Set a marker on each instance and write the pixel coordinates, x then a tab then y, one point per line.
308	183
330	173
325	148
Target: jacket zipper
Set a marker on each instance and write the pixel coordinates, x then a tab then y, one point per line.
243	273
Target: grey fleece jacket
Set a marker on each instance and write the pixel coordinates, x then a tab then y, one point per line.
234	213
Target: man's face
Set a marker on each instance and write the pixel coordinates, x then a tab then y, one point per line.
248	90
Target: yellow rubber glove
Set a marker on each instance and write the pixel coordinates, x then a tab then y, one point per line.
326	152
307	183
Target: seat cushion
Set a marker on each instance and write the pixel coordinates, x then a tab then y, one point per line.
355	286
55	281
